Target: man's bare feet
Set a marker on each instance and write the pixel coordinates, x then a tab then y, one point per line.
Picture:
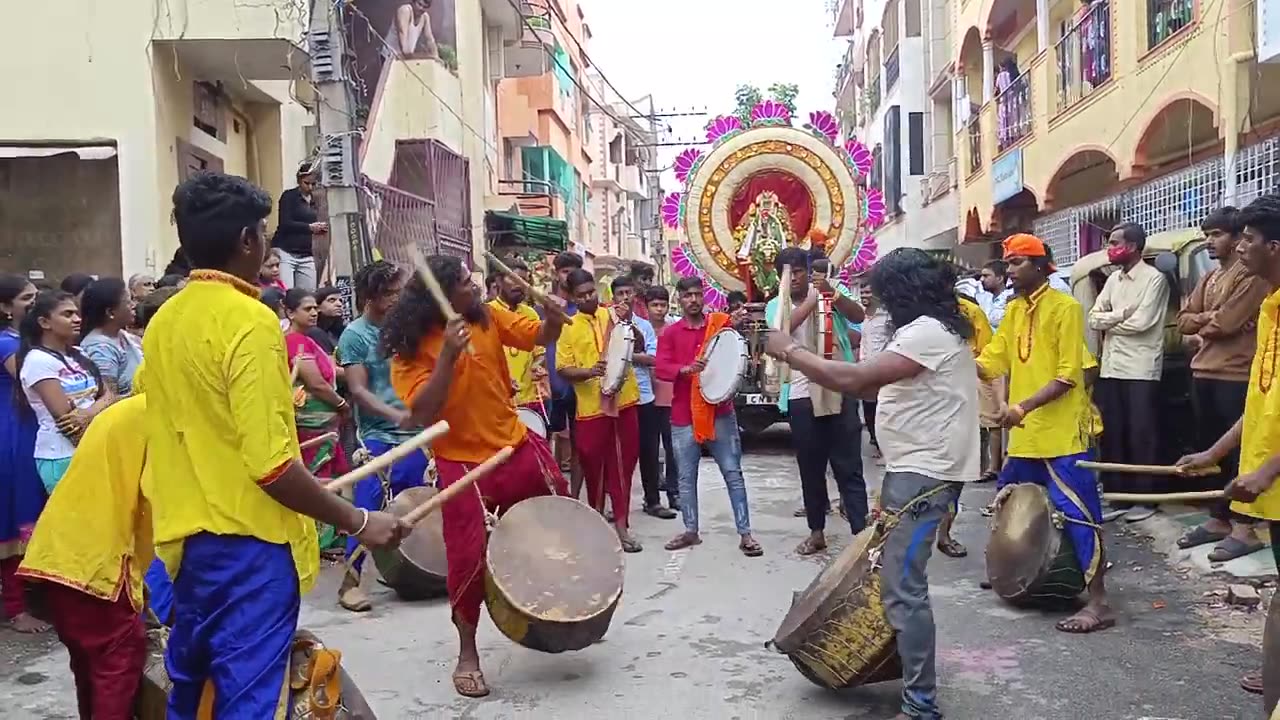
1091	618
27	624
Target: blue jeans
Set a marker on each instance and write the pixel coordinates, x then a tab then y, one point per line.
726	449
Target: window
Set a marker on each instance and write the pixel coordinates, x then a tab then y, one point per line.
893	160
912	23
915	141
207	110
1166	17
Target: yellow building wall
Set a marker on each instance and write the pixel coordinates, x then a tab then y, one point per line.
407	110
1111	119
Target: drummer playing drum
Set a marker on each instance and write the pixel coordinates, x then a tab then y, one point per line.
457	372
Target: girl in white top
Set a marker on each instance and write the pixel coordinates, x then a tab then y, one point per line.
61	386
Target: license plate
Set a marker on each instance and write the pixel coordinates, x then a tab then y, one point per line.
756	399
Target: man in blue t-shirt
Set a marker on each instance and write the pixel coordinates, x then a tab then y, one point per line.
382	421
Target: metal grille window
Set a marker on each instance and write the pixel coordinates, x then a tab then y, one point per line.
1166	17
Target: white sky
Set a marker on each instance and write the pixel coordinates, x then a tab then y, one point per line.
693	53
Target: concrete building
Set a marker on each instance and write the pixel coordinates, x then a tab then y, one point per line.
893	93
1074	116
109	106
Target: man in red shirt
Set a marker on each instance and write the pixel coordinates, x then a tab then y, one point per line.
695	423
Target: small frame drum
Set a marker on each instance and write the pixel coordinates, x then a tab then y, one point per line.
726	355
532	419
416	569
554	574
1030	560
617	357
836	632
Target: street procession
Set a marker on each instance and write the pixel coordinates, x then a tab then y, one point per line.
381	359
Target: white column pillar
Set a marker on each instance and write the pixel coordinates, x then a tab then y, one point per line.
988	71
1042	24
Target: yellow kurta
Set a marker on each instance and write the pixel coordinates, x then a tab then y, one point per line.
1039	341
520	363
582	345
94	534
220	422
1260	440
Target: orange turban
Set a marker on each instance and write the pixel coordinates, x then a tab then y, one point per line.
818	238
1026	245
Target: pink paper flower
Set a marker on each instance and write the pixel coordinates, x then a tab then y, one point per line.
685	162
672	210
865	256
770	112
875	208
824	124
859	155
723	126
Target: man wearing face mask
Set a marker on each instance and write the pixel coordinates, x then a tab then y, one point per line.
1130	313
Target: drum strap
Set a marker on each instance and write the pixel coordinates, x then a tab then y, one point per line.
889	519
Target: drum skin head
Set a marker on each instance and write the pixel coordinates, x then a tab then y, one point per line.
1023	541
532	419
617	357
726	360
424	546
556	559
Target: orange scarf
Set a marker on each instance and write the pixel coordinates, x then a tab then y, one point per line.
704	413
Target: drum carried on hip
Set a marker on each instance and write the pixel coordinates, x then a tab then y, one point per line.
726	356
617	357
836	632
532	419
1030	560
554	574
417	568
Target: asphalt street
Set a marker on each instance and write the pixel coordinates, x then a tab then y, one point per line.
687	640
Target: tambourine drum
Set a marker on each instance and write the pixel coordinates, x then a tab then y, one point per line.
617	358
417	568
726	356
532	420
1030	560
836	632
311	684
554	574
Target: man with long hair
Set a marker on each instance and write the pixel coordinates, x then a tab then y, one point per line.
928	399
457	371
1040	348
234	510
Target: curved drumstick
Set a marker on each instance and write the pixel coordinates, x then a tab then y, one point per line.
390	457
318	440
437	292
1147	469
1164	497
537	294
458	487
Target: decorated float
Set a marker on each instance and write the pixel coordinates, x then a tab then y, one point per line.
764	184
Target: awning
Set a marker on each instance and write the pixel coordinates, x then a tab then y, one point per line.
505	229
85	152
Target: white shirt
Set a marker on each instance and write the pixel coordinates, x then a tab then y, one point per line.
76	382
927	424
875	334
799	384
1130	313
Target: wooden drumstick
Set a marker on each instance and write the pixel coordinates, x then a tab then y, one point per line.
390	457
537	294
457	488
1164	497
1147	469
437	292
318	441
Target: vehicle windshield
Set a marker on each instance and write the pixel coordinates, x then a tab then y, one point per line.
1198	265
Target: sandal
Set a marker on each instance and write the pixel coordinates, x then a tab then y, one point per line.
751	548
470	684
1200	536
988	476
682	541
1231	548
354	599
1252	683
629	545
799	513
810	546
1084	622
951	548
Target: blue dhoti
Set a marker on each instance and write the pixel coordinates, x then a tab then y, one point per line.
1073	492
236	610
408	472
159	591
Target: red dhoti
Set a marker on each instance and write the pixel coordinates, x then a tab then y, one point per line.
609	448
108	649
11	587
531	472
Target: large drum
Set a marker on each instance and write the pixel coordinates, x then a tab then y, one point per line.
617	357
316	684
554	574
836	632
1030	560
417	568
726	356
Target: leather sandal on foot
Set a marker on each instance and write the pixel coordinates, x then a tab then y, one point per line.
355	600
470	684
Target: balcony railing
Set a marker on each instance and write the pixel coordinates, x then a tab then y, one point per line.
891	68
871	98
1166	17
401	224
975	143
1084	55
1013	110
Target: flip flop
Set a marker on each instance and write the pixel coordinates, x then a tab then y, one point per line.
809	546
1252	682
470	684
355	600
1200	535
750	548
631	546
1231	548
989	476
1077	625
951	548
682	541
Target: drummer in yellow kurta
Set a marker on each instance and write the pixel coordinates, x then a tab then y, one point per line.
526	367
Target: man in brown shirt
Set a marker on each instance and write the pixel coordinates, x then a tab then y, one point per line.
1220	319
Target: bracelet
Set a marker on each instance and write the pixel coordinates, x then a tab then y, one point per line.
342	404
364	522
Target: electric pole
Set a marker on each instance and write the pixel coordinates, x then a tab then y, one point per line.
335	165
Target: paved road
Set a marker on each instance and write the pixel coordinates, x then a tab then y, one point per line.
687	640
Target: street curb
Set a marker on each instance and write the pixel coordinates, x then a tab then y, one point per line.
1165	527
